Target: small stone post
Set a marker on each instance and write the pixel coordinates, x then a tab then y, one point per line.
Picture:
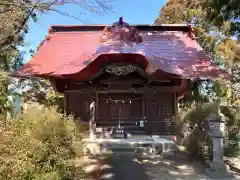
217	168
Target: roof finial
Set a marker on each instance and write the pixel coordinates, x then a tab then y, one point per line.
120	20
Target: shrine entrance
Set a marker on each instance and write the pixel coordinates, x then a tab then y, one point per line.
125	110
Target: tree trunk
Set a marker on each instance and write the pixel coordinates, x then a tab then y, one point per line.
4	82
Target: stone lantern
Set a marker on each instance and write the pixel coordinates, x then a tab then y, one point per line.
216	127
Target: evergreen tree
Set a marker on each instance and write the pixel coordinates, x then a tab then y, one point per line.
214	22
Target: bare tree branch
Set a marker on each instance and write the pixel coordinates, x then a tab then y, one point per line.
67	14
4	43
18	13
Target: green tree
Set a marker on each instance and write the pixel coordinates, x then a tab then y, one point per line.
210	14
214	23
8	61
205	18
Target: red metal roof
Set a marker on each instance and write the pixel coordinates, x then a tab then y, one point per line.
80	54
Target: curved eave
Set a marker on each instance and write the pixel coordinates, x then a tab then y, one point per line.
80	55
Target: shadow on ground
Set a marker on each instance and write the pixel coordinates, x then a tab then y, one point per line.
131	167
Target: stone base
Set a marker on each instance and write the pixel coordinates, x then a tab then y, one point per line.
150	138
217	170
141	151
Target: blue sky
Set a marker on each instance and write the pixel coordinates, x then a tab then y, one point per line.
133	11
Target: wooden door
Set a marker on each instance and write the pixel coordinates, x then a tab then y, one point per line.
161	113
123	107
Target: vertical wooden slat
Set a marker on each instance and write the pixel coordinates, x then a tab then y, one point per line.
148	97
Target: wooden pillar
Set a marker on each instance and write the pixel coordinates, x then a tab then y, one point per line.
65	103
148	101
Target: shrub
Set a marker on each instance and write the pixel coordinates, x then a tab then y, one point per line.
39	144
194	126
233	126
196	138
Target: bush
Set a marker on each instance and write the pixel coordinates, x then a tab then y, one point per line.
233	126
194	127
196	138
39	144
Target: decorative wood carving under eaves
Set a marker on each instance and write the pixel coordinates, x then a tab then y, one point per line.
120	70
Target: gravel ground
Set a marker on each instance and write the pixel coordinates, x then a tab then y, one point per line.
129	167
176	168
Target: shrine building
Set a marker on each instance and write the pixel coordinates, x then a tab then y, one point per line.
122	75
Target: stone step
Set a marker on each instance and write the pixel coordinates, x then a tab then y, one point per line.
106	132
127	128
140	149
132	145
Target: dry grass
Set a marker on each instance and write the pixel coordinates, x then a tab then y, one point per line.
40	144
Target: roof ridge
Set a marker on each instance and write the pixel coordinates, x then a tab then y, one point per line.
100	27
74	25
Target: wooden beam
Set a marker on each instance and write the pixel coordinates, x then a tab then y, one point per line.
140	27
118	81
127	89
74	90
121	91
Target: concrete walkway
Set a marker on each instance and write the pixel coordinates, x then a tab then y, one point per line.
123	168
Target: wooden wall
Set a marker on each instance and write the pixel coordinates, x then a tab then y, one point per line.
161	111
158	109
78	104
156	103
